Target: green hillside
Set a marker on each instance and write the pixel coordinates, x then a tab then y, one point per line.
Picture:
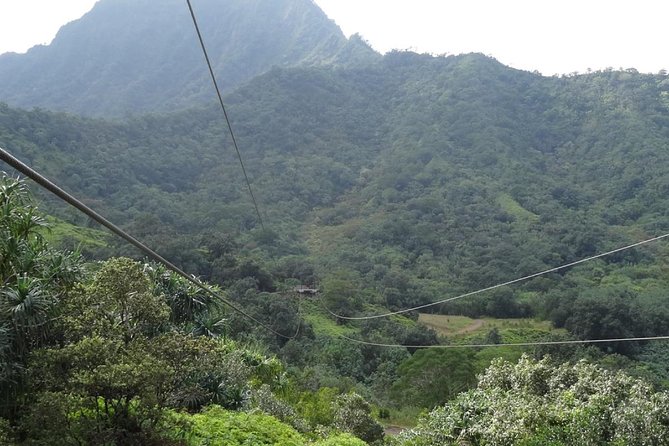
423	177
388	184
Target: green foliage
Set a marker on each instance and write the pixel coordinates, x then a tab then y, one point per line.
263	400
341	293
535	402
191	308
462	329
340	440
318	407
118	303
5	432
91	242
614	303
205	371
121	363
453	174
116	390
432	377
324	325
353	414
515	210
33	279
427	210
218	427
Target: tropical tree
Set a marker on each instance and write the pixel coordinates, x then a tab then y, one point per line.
33	279
188	302
433	376
122	363
118	304
353	414
537	402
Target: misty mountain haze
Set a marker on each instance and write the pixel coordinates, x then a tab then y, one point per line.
133	56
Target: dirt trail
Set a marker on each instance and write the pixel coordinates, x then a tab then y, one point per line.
393	430
478	323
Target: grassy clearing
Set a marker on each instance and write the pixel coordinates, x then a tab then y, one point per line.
324	324
512	207
62	233
321	322
445	324
512	330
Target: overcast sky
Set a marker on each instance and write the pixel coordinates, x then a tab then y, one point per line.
545	35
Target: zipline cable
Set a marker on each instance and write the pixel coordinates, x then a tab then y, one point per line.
406	310
65	196
225	113
517	344
499	285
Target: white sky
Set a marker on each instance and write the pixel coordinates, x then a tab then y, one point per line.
546	35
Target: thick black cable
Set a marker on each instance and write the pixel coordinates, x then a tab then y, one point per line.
225	113
65	196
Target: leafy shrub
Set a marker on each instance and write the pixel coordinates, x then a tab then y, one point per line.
263	400
433	376
535	402
341	440
353	414
216	426
5	432
317	407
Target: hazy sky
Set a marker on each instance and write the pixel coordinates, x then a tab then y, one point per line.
546	35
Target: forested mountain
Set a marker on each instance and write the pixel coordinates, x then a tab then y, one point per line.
415	177
458	161
130	56
385	182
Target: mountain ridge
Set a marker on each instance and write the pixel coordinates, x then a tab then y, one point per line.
133	57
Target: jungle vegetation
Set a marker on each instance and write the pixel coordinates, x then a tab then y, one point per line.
384	181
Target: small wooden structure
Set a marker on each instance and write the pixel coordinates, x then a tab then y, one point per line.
304	289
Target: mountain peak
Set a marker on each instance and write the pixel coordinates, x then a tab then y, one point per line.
143	55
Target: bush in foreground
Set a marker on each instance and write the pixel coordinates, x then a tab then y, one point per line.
538	403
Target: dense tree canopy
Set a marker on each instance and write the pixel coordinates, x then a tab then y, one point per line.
536	403
400	181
